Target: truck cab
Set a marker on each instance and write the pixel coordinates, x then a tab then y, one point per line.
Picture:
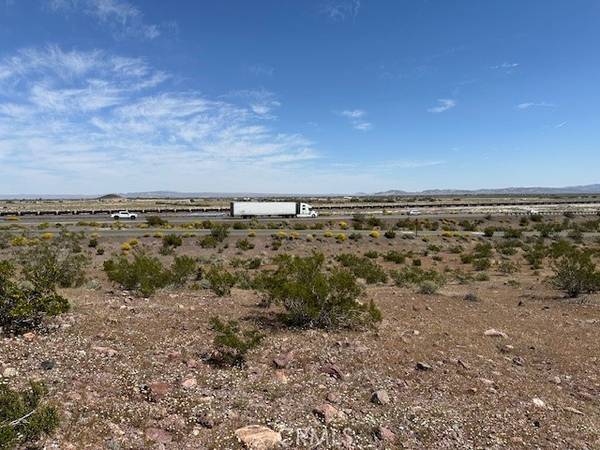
305	210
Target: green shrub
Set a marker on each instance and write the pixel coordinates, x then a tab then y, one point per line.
156	221
182	269
208	242
363	267
390	234
244	244
489	231
55	263
416	276
511	233
24	419
23	308
355	236
172	241
220	280
145	274
575	273
395	257
315	298
428	287
508	267
372	254
219	232
232	343
93	243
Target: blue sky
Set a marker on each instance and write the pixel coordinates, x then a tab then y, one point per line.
322	96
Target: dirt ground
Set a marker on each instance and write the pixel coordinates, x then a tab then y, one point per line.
131	373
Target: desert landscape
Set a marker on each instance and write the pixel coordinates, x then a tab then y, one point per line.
472	342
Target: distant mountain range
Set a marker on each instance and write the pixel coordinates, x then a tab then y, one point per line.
573	190
586	189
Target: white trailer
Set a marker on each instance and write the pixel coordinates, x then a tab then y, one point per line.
272	209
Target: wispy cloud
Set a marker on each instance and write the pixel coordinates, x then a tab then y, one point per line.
507	67
528	105
260	70
94	116
560	125
340	10
444	104
357	119
123	18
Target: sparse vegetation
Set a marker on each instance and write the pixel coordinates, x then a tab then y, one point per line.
232	343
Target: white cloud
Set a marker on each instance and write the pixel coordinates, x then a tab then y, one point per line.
528	105
97	119
356	117
260	70
560	125
444	104
121	16
340	10
505	66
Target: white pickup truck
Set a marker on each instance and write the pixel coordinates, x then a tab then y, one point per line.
124	215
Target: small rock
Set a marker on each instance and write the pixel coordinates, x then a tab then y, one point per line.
556	380
385	434
332	397
158	390
280	376
380	397
29	336
423	366
48	364
283	361
205	421
518	361
106	351
495	333
258	437
158	435
10	372
189	383
538	402
327	413
573	410
333	371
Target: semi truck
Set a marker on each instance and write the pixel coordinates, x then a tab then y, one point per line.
271	209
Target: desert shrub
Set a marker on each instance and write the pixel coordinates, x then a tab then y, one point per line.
375	234
481	276
93	243
315	298
208	242
4	240
23	308
395	257
456	249
220	280
512	233
328	234
481	264
343	225
534	255
390	234
416	262
372	254
471	297
172	240
358	221
489	231
244	244
219	231
99	251
428	287
232	343
508	247
416	276
240	225
363	267
575	273
156	221
52	264
182	269
340	237
24	419
374	222
576	235
144	274
507	267
355	236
